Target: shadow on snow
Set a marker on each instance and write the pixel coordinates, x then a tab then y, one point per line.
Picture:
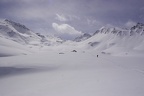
10	71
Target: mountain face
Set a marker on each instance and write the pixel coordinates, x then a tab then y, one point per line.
108	40
50	40
83	37
138	29
19	27
114	40
17	32
17	39
23	35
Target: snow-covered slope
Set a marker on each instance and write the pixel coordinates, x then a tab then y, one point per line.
49	40
108	40
117	40
12	48
69	69
23	35
83	37
16	38
17	32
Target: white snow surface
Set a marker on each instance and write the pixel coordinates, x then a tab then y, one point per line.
71	74
11	48
37	65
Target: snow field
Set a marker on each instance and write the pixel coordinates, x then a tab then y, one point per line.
69	74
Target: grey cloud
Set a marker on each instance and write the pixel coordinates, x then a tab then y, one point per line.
83	15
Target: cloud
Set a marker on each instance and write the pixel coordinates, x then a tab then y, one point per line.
61	17
66	30
83	15
66	17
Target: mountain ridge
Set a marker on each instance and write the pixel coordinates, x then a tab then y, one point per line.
21	34
117	40
108	40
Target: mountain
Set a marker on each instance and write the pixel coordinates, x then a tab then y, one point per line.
16	38
23	35
138	29
114	40
50	40
17	32
83	37
107	40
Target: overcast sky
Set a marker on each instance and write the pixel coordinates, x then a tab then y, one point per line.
69	18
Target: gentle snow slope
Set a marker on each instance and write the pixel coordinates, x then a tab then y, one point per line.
71	74
11	48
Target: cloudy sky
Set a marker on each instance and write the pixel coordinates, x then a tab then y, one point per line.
69	18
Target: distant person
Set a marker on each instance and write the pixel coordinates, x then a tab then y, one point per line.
97	56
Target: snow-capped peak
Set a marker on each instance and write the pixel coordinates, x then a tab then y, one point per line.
83	37
112	30
16	24
19	27
114	40
21	34
17	32
137	29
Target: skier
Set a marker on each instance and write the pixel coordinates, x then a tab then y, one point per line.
97	56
